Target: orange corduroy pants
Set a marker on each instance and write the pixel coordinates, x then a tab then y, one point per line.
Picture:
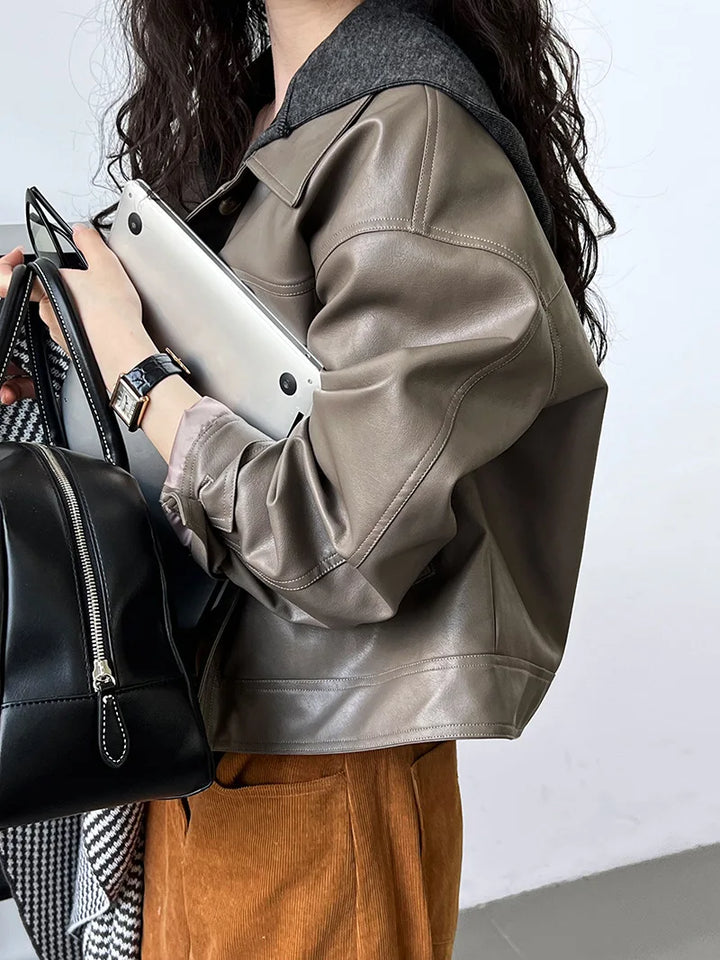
347	856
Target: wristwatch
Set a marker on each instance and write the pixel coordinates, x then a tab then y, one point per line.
129	397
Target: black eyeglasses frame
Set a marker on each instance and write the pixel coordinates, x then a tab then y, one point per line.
54	224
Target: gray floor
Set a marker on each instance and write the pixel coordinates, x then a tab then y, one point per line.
664	909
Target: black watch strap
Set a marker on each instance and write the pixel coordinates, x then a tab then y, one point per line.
150	371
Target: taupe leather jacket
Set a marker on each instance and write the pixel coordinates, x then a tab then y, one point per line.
409	553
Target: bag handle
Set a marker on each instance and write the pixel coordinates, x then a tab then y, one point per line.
15	310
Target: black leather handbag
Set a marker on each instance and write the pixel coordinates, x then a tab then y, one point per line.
97	708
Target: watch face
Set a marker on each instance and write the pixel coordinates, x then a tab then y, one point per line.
126	403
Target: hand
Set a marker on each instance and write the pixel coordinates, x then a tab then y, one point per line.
18	384
108	305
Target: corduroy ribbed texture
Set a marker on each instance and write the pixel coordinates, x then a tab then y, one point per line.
352	856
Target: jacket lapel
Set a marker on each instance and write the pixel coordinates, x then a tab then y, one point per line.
287	179
379	44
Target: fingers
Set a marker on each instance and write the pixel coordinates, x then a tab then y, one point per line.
85	235
15	256
7	262
17	388
16	384
13	370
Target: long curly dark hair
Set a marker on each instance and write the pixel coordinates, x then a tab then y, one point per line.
188	91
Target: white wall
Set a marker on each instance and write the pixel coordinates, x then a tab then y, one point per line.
620	762
54	71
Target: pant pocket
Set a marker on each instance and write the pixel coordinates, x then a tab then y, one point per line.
268	862
278	772
437	797
185	804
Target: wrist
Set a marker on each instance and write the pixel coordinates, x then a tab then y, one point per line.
130	396
121	355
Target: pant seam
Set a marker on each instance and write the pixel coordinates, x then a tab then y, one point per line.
353	846
183	853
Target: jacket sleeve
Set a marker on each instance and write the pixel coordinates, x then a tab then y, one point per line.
438	357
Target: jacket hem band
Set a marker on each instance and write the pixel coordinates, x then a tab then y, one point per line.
474	696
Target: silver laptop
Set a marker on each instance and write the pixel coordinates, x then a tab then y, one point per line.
237	350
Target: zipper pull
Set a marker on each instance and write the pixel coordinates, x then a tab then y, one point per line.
102	675
112	732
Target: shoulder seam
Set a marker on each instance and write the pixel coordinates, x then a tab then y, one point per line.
400	225
441	235
439	442
427	151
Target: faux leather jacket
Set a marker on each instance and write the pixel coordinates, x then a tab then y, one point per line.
409	553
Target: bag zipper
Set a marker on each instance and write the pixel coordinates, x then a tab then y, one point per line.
102	674
110	720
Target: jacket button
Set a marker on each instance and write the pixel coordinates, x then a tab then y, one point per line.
228	205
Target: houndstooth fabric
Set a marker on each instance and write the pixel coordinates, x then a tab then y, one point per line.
109	883
78	880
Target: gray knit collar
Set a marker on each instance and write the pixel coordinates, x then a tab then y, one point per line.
381	44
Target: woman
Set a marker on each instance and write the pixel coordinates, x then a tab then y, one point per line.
402	181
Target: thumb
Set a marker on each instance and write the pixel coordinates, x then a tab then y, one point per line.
84	233
89	241
7	263
12	259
